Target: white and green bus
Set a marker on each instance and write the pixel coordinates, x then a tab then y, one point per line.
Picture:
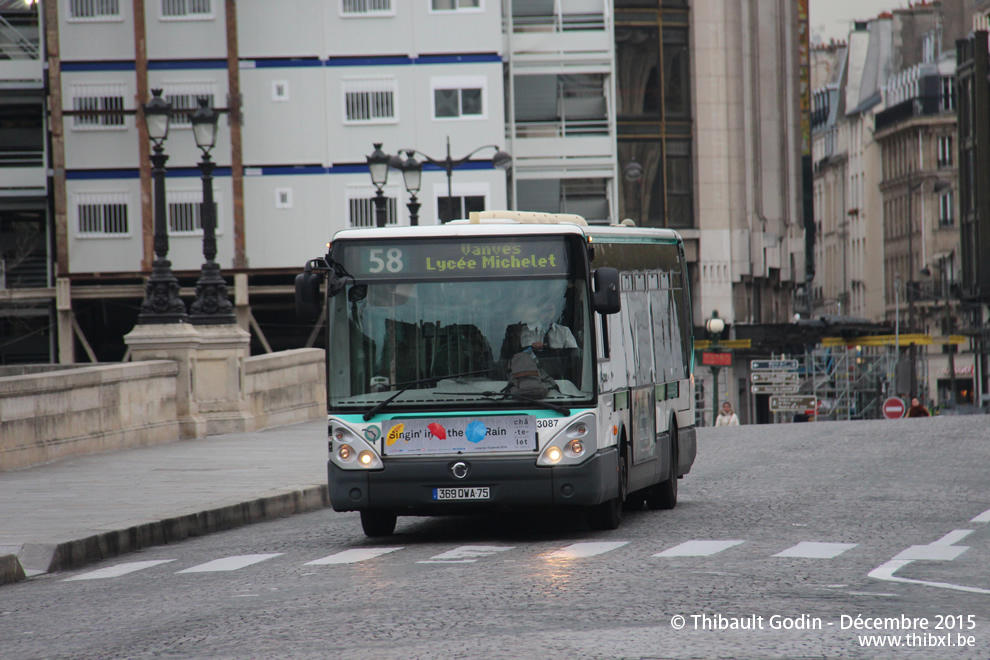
508	361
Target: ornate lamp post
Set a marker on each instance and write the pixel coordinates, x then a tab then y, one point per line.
412	176
714	326
161	292
502	160
211	307
378	163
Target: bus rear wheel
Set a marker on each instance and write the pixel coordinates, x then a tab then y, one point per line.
378	523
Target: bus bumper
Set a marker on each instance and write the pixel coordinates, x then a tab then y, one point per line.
405	486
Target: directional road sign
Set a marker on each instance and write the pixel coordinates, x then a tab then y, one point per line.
773	365
775	388
767	377
793	402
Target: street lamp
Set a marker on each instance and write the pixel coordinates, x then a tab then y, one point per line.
211	306
378	163
161	292
501	159
412	176
714	326
947	322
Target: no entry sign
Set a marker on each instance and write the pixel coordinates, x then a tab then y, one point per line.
893	408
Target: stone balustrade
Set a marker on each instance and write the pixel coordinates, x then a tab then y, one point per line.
210	387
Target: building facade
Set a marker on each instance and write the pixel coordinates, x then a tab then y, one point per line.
612	109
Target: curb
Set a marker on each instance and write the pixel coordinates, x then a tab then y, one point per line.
36	558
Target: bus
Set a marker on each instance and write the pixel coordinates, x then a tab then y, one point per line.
507	361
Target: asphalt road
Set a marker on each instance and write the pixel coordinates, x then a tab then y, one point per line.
794	541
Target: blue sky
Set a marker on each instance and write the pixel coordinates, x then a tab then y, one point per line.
832	18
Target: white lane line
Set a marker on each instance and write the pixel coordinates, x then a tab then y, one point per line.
117	570
816	550
982	518
466	554
886	572
229	563
697	549
581	550
351	556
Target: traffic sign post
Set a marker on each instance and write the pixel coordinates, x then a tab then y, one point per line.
793	402
775	388
773	365
774	377
894	408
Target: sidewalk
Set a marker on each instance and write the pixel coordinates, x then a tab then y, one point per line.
68	513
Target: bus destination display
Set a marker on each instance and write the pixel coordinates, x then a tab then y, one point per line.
420	259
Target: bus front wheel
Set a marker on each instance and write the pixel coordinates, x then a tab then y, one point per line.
378	523
608	515
664	494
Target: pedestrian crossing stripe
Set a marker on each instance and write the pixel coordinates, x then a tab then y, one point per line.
698	548
816	550
351	556
229	563
466	554
117	570
582	550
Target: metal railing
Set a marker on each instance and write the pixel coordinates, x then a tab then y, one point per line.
14	45
22	158
562	128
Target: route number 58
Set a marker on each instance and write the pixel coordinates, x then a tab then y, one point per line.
382	259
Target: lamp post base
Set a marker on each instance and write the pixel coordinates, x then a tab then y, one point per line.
161	296
212	306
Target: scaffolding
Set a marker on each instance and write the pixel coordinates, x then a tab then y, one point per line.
850	382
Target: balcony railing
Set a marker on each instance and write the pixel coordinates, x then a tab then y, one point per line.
16	46
562	129
920	106
22	158
587	18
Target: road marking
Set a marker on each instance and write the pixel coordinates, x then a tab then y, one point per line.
117	570
815	550
581	550
954	536
886	572
982	518
229	563
351	556
940	550
697	548
466	554
931	552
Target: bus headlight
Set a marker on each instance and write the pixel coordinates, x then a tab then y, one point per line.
353	452
572	445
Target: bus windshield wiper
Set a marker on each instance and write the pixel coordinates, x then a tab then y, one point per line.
378	407
544	403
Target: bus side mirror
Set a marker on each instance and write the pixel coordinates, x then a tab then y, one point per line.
606	282
309	302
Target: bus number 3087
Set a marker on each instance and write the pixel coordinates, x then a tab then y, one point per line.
546	423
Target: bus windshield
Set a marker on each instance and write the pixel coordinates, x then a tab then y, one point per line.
445	333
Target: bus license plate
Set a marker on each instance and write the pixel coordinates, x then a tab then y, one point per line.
461	493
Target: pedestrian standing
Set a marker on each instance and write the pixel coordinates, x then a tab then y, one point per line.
727	417
916	409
